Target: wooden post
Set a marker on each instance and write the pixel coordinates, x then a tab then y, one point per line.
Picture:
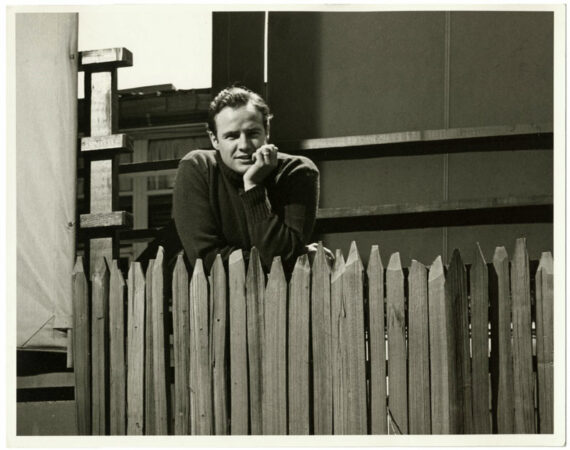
255	283
338	368
397	366
117	365
378	412
299	311
101	150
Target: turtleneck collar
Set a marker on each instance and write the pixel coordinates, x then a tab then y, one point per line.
235	178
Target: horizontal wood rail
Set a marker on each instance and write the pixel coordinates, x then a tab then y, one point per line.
408	143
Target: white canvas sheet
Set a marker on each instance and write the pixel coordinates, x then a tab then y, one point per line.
46	146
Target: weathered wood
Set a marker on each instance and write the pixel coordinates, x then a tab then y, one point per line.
338	356
118	387
49	380
545	343
255	288
321	344
117	219
105	247
135	349
440	361
238	345
418	348
158	345
375	272
94	59
434	206
298	338
113	142
69	349
522	342
275	352
100	347
479	287
397	367
353	343
149	405
200	373
81	348
218	356
502	373
104	102
181	330
457	283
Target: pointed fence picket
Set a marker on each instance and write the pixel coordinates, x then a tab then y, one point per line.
309	356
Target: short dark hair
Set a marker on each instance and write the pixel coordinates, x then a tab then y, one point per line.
235	97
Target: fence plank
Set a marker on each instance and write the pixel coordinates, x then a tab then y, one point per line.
238	345
397	367
255	288
117	350
339	366
135	350
442	420
218	356
158	345
321	344
149	406
99	347
181	330
479	286
457	279
418	348
298	332
502	373
353	289
200	374
375	272
81	348
522	341
545	343
275	352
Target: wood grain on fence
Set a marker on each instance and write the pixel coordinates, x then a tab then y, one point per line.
418	350
522	342
502	373
100	348
338	357
218	347
375	274
181	334
439	341
158	346
479	287
545	343
81	348
200	374
275	352
397	355
238	345
135	349
457	280
352	342
255	292
298	354
149	405
321	344
117	351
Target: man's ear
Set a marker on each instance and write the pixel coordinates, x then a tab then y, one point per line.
213	139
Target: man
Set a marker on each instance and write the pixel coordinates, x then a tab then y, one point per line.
245	193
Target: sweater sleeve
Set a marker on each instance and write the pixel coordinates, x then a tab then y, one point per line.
195	223
287	234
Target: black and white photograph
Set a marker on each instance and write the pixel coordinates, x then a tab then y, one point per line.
285	224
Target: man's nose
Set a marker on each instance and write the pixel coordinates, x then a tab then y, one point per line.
244	144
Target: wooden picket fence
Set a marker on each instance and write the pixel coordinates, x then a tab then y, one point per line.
332	350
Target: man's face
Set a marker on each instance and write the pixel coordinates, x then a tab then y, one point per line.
240	133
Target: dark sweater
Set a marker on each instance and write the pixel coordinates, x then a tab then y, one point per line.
213	214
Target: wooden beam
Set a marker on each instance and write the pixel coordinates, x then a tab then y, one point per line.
118	219
93	60
114	142
46	380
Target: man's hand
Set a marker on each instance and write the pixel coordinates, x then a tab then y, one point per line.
312	251
265	161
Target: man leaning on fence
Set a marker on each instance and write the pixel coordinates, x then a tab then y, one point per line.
245	193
